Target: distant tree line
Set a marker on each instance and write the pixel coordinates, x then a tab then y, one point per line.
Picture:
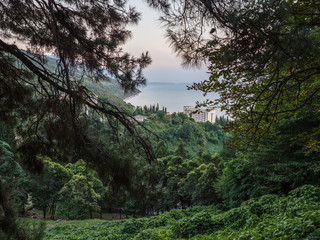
146	111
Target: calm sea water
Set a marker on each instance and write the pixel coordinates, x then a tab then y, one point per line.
173	96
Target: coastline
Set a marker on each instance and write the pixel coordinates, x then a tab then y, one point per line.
131	96
171	96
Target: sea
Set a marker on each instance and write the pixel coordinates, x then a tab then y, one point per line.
173	96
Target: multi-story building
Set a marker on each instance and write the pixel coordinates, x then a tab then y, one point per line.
200	115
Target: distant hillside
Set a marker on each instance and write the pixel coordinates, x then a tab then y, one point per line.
109	89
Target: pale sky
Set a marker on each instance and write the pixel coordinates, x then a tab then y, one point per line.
149	36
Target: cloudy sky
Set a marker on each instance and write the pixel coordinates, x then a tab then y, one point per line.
149	36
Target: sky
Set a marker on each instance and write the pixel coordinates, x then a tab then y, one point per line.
149	36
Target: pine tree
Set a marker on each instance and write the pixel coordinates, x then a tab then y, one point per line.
181	151
162	150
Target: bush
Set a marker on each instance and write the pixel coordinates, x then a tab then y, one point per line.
176	214
187	227
236	217
261	206
159	221
307	192
131	226
153	234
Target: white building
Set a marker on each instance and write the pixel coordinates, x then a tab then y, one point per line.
200	115
140	118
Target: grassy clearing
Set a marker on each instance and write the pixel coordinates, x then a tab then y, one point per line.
81	223
34	222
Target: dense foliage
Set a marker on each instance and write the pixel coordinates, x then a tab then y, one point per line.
184	183
44	187
75	191
175	128
275	165
295	216
13	198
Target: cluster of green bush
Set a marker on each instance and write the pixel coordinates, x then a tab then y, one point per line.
296	216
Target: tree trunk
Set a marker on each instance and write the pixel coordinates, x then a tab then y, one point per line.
53	211
44	213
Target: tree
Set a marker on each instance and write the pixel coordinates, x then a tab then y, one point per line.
264	56
162	150
81	168
204	193
181	151
45	187
11	175
172	171
185	131
77	199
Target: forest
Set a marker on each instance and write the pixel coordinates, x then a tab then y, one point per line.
75	164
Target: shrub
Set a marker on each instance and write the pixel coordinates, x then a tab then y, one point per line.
153	234
131	226
236	217
186	227
159	221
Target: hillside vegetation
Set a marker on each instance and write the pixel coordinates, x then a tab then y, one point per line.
196	137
